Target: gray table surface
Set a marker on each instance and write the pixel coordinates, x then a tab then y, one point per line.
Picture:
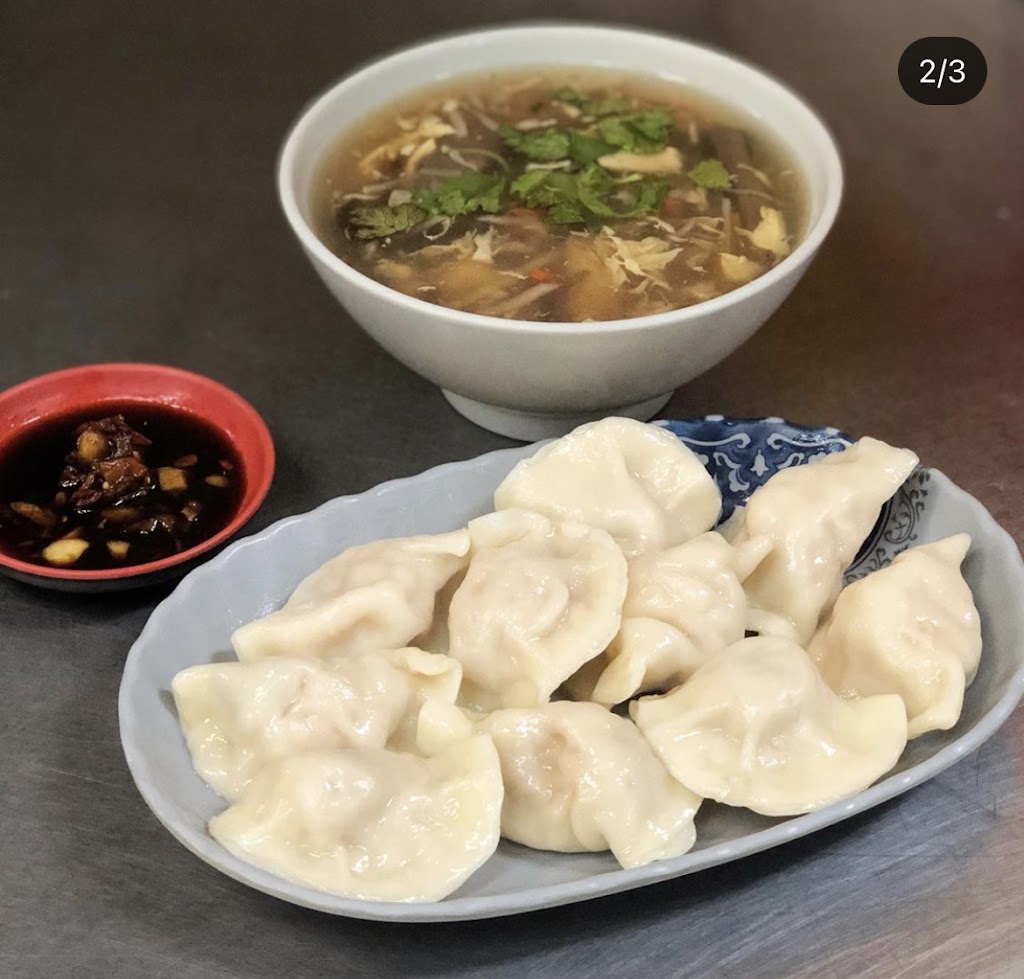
139	222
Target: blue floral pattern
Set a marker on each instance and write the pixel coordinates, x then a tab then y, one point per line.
897	526
743	453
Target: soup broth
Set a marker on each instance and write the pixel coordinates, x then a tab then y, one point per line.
558	196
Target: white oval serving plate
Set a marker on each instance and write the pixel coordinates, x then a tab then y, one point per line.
254	576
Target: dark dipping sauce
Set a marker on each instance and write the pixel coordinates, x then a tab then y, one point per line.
130	483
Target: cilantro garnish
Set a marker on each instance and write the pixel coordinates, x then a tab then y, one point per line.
380	222
650	196
654	124
567	212
531	186
710	174
579	191
465	194
592	188
587	149
548	145
638	132
569	95
542	145
604	107
589	107
587	197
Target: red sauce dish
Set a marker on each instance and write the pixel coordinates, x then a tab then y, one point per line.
35	412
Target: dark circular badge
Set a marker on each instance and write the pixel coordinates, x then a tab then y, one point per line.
942	70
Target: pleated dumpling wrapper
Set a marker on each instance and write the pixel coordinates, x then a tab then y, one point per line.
238	717
578	777
539	599
373	596
911	629
635	481
369	823
816	517
682	606
757	727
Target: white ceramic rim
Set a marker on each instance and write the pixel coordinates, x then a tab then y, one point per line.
804	251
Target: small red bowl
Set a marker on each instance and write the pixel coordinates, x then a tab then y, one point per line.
94	386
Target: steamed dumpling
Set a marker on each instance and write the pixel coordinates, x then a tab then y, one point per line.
539	599
756	726
911	629
816	517
374	596
369	823
682	606
636	481
578	777
237	717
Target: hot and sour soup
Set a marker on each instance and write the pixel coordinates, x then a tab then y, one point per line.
565	197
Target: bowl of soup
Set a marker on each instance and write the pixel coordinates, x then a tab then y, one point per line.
558	222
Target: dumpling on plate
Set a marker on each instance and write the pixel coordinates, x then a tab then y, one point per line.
578	777
539	599
636	481
380	595
237	717
816	517
911	629
682	606
369	823
756	726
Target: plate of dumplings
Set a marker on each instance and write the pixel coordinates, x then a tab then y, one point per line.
574	668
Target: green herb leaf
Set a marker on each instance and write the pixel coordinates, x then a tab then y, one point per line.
591	187
567	212
568	94
654	124
589	107
618	134
650	196
543	145
380	222
710	174
638	132
604	107
524	185
587	149
608	197
544	188
590	196
465	194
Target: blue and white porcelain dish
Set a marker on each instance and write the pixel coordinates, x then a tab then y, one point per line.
743	453
255	575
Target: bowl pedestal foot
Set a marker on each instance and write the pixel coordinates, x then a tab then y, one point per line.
531	426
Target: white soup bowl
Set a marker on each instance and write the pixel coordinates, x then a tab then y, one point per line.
531	380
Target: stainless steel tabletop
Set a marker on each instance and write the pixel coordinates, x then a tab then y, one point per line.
140	222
